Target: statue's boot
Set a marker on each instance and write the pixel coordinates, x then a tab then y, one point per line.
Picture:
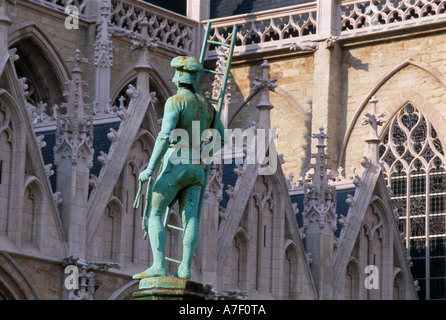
151	273
182	272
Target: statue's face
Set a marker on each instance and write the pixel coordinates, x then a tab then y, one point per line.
185	77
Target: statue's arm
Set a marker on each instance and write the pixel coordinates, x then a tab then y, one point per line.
170	120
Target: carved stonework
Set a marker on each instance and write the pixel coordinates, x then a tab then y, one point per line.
57	197
222	53
320	197
13	55
103	59
265	82
374	120
373	224
103	47
112	136
305	46
74	133
264	85
263	194
143	43
93	182
214	187
103	158
48	170
231	192
213	294
40	143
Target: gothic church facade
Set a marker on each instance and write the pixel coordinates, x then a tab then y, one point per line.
353	89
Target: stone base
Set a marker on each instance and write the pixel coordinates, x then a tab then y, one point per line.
168	288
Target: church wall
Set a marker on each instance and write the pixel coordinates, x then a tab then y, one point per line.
365	65
125	60
67	41
45	276
292	103
110	284
53	24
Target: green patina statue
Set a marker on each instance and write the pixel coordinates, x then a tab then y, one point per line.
181	174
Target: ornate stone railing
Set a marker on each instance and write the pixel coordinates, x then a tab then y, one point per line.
269	29
174	31
265	30
371	15
60	5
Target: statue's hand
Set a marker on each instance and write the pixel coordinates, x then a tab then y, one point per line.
145	175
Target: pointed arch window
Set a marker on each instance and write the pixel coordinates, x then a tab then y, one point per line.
112	246
29	208
352	281
238	260
415	170
289	273
108	234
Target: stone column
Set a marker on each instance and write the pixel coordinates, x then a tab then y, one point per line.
73	157
374	120
92	9
143	43
198	10
103	60
264	106
206	252
328	22
320	220
326	108
265	85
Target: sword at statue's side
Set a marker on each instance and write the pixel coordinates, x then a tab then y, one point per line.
147	206
138	196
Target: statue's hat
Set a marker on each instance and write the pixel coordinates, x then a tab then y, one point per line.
187	69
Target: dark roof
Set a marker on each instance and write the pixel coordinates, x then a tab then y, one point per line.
100	143
225	8
177	6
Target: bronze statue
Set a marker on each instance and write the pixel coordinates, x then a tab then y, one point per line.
181	174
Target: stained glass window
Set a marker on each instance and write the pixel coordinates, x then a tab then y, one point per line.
414	166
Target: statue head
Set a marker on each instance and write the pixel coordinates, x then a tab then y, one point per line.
187	70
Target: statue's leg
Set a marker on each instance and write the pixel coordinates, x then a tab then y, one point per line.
188	209
164	191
